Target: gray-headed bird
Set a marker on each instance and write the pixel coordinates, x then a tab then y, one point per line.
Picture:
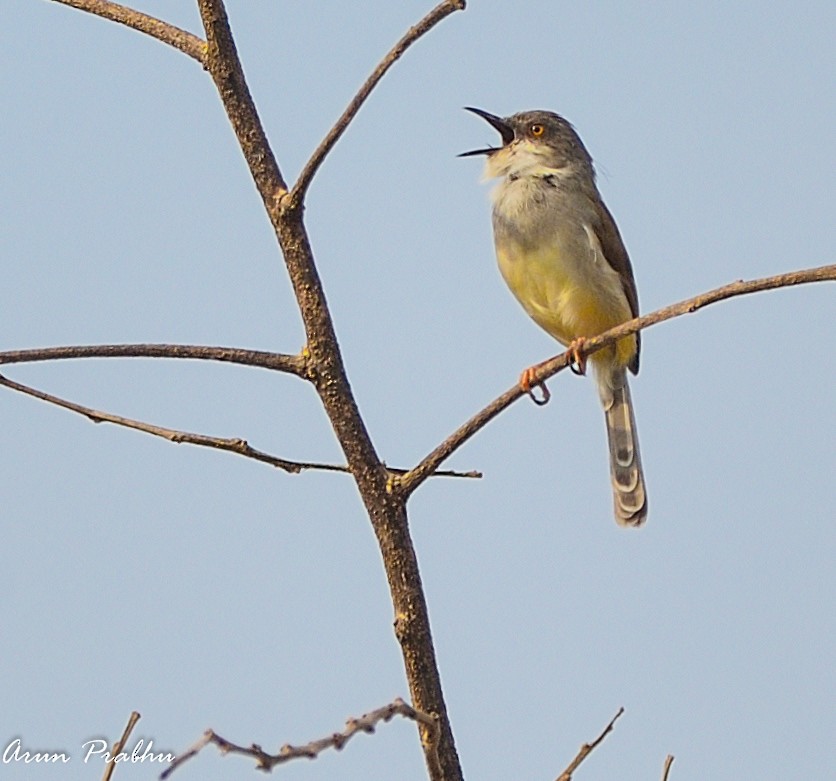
561	254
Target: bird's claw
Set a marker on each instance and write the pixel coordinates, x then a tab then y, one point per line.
578	365
528	383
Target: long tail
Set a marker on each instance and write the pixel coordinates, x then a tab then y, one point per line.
628	488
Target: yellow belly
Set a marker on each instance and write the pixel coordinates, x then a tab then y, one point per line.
569	294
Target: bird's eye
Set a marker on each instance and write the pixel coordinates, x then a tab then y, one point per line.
537	130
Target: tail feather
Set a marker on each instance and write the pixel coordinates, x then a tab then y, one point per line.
629	494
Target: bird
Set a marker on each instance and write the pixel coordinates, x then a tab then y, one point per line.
561	254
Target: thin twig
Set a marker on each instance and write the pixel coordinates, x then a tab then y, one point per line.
587	749
156	28
433	460
266	761
292	364
119	745
667	767
231	444
440	12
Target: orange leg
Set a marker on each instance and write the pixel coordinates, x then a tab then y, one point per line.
528	379
578	365
528	383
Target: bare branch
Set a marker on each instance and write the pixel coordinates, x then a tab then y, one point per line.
387	512
587	749
471	474
119	745
667	767
431	462
232	444
292	364
440	12
225	68
266	761
156	28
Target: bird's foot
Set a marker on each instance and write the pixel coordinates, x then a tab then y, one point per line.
528	381
578	365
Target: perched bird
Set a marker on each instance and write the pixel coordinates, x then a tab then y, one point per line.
561	254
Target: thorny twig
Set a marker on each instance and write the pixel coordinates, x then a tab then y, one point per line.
266	761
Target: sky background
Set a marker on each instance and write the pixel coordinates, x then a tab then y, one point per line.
206	590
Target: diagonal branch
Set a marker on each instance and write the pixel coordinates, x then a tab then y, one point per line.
386	511
231	444
440	12
224	66
666	768
292	364
431	462
587	749
266	761
156	28
110	765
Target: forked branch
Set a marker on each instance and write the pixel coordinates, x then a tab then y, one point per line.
387	513
440	12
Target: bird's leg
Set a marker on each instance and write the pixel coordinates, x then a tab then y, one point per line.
528	383
578	365
528	379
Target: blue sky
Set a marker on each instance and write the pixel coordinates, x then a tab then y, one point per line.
204	590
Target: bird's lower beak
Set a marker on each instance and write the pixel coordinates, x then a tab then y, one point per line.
499	124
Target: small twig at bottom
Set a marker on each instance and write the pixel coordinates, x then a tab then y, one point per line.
267	762
587	749
120	744
667	768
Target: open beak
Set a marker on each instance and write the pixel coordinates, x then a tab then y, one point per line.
499	124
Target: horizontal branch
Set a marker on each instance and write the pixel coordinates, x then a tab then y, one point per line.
440	12
587	749
163	31
231	444
266	761
292	364
431	462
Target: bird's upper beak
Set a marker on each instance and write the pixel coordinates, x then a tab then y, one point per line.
505	130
